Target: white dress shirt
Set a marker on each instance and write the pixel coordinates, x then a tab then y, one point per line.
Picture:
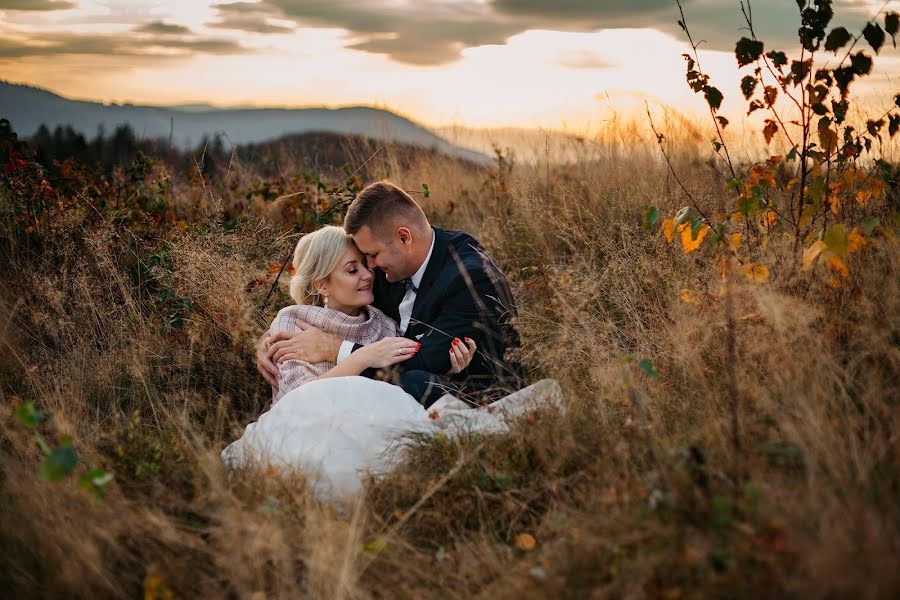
406	305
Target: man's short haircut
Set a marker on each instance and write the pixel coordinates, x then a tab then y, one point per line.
383	207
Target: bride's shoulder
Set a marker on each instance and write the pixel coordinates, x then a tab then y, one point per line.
286	319
388	325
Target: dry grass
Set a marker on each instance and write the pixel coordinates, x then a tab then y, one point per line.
138	343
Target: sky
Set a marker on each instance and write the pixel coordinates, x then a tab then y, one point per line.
563	64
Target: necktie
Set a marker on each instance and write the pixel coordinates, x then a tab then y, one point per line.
410	285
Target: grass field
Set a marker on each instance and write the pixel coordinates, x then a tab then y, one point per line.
128	311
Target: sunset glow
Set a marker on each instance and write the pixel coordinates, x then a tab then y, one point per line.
479	63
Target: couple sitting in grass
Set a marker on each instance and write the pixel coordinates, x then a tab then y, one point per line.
394	317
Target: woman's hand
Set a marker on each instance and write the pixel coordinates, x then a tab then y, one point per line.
388	351
461	354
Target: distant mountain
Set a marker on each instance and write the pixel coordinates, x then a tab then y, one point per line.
28	107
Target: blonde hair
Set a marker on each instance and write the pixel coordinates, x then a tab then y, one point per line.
315	257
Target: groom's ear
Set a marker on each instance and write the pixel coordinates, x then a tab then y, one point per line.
404	235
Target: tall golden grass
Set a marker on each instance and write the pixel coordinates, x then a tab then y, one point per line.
139	343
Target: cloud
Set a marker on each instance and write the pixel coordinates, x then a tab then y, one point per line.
250	23
427	32
244	7
36	5
584	59
432	32
60	44
163	28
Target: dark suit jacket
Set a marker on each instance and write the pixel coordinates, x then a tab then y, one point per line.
463	293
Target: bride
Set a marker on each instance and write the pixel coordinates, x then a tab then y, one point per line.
324	415
325	418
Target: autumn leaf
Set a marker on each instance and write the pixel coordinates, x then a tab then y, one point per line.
812	253
856	240
760	173
734	241
837	266
273	268
771	217
770	130
688	296
836	239
525	542
689	242
827	136
668	229
755	273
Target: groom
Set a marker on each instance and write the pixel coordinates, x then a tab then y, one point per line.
439	286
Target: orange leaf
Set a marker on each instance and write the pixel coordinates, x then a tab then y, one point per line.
760	173
668	229
525	541
688	296
771	217
687	240
812	253
835	202
856	240
734	241
755	273
770	130
273	268
862	197
790	184
837	266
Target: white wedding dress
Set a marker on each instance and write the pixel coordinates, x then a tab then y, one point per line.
337	429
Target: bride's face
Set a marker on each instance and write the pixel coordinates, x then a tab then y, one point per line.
349	285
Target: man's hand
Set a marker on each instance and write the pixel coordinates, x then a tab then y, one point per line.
264	364
310	344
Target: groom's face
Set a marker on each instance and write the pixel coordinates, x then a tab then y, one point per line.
384	252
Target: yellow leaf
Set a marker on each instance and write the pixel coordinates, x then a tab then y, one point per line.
812	253
668	229
835	282
790	184
688	296
836	265
734	241
155	588
856	240
755	273
692	244
525	541
771	217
